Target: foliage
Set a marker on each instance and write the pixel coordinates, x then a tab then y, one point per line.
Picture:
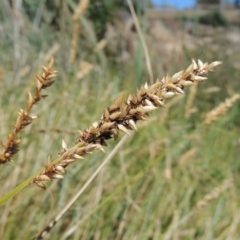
106	12
214	18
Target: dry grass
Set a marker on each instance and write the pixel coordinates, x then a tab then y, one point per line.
189	155
84	69
214	194
120	116
153	184
79	11
220	110
24	118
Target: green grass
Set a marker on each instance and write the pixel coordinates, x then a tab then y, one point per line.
131	198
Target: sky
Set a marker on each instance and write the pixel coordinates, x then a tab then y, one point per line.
179	4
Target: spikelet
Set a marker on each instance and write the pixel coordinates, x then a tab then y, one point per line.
24	118
81	8
84	69
215	193
101	45
186	156
123	116
213	115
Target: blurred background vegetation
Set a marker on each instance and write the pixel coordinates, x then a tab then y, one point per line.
156	186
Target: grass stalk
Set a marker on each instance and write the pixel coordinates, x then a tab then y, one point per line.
146	52
48	228
79	11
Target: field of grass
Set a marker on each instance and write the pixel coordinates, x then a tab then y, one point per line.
175	178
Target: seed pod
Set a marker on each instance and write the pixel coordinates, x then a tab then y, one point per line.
148	102
132	124
57	176
168	94
186	83
123	129
43	178
177	76
60	169
197	78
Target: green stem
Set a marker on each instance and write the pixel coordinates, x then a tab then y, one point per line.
17	189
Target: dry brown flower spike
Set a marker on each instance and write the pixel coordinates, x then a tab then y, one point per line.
123	116
24	118
220	110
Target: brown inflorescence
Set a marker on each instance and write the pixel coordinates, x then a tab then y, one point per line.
80	9
214	193
220	110
24	118
123	116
